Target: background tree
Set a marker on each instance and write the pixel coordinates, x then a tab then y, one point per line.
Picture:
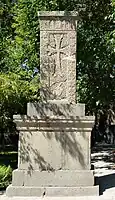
95	47
95	51
19	63
6	31
96	56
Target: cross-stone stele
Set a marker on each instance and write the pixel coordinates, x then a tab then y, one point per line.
58	73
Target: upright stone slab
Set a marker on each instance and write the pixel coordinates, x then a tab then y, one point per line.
54	137
58	55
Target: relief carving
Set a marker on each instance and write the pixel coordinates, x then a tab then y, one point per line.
58	61
56	24
56	48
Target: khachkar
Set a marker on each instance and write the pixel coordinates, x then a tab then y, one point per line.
54	137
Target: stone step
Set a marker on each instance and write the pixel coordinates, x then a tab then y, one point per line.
60	178
52	191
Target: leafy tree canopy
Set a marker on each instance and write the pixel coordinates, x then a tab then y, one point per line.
95	54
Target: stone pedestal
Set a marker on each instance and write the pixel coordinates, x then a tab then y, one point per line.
55	136
54	157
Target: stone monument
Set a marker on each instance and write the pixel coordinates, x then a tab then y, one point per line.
54	137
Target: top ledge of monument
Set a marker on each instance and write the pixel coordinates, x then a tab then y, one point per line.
73	14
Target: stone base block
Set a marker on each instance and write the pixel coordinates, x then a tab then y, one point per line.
57	183
53	144
61	178
52	191
55	108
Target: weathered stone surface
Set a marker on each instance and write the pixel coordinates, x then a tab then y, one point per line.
55	108
52	191
58	20
63	143
66	14
59	178
58	57
18	177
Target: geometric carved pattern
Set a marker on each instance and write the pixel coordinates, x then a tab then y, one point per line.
56	48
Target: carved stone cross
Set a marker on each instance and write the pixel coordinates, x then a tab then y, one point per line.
57	49
57	46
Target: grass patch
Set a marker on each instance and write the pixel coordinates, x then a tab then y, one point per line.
5	176
8	162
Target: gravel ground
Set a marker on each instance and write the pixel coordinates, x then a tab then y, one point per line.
103	197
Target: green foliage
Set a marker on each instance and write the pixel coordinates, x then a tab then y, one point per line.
5	176
96	57
111	34
96	44
6	31
95	68
16	90
24	49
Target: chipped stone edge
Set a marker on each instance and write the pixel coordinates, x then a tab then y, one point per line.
73	14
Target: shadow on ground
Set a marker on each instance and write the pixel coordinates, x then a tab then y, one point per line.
105	177
105	182
105	153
